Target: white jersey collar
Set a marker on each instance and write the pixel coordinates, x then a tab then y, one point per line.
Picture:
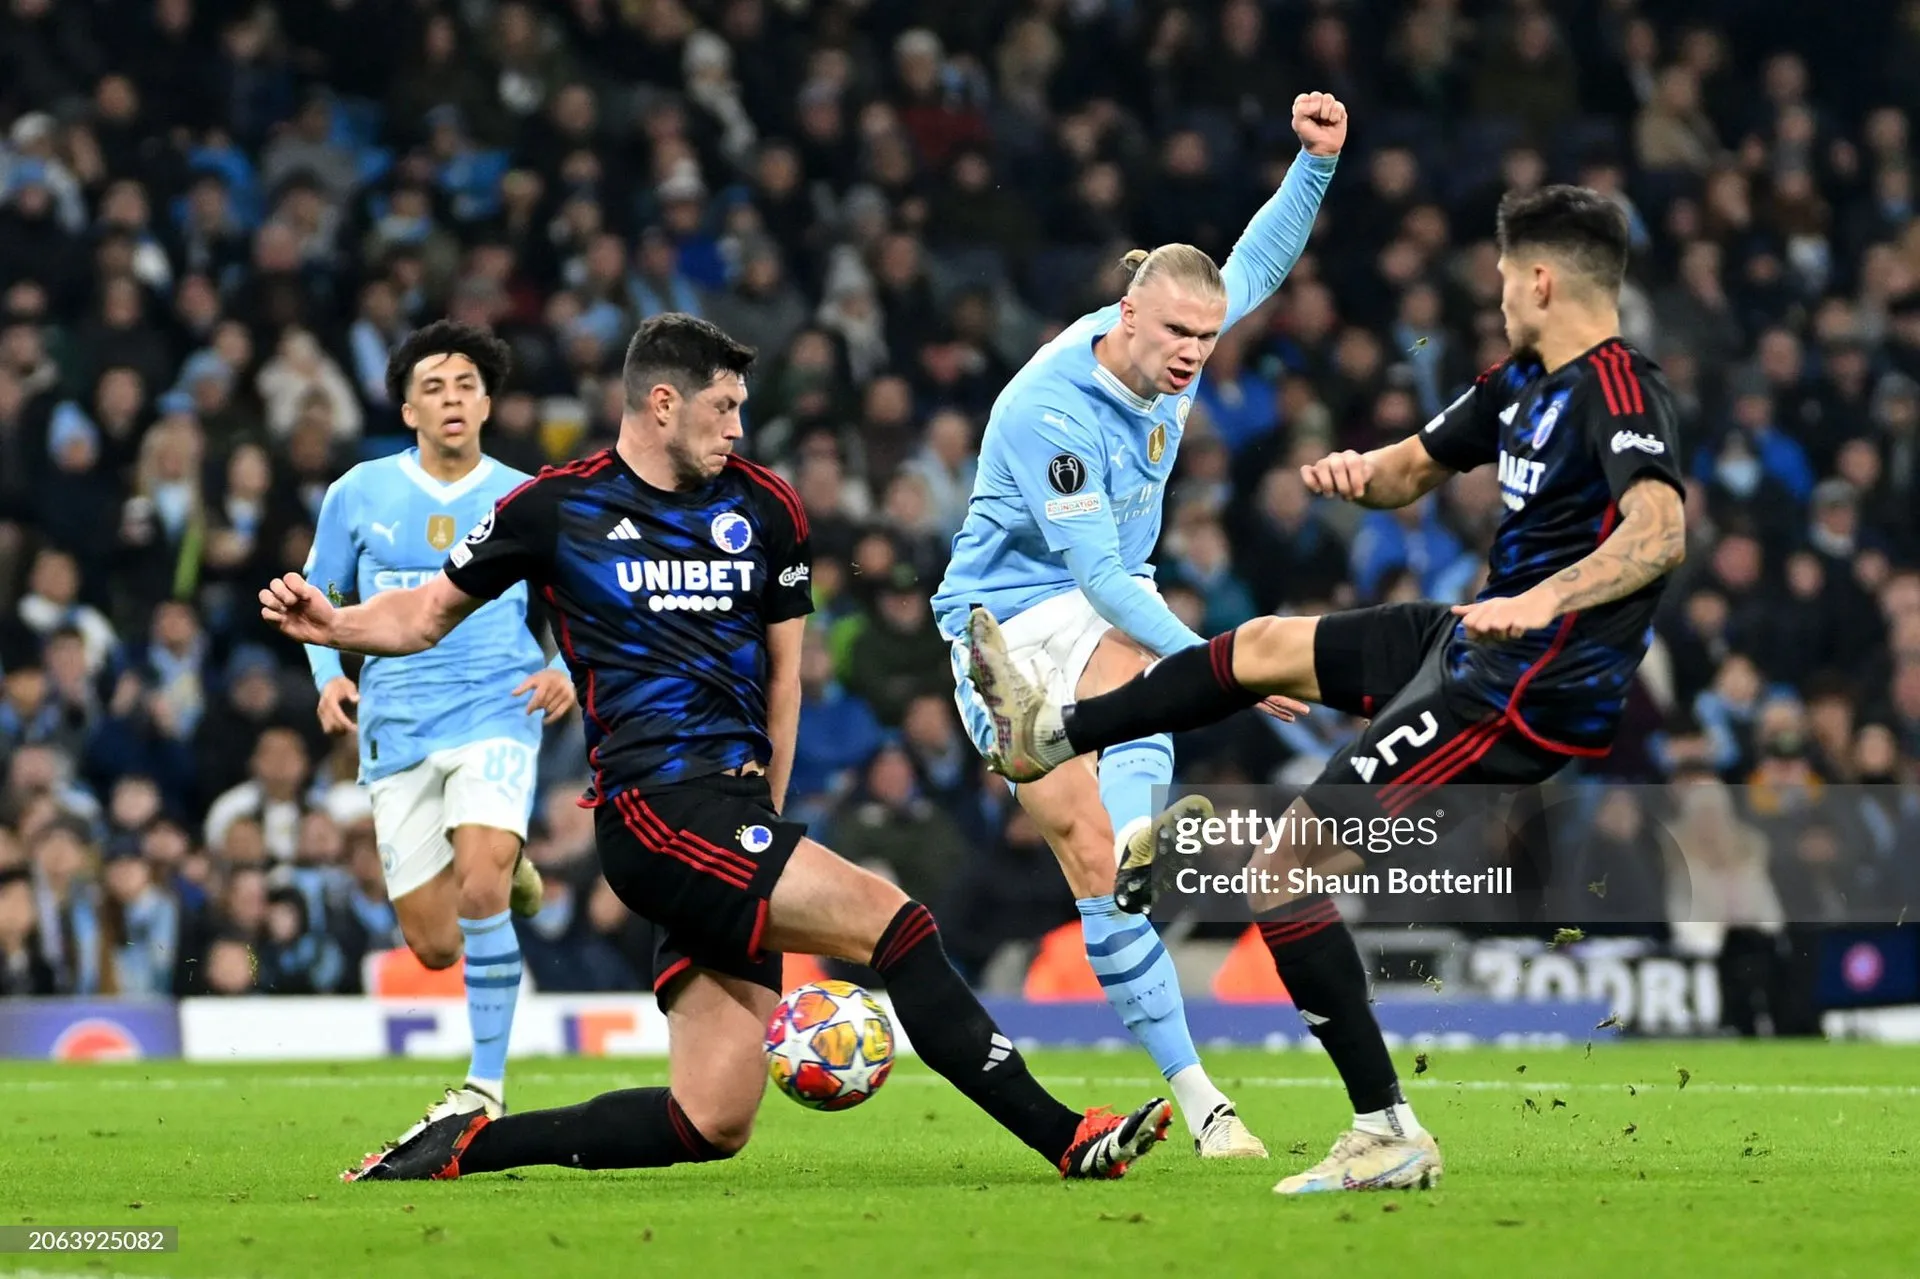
410	467
1118	389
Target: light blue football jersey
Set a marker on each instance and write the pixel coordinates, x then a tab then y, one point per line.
1074	460
387	525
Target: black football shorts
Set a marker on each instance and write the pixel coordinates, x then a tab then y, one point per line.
699	859
1388	664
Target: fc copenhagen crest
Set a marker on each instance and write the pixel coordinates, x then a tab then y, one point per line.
440	531
1157	443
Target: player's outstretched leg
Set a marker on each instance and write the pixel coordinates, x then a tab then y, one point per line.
823	905
715	1024
1191	689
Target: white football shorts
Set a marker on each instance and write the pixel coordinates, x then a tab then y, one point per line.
1053	641
484	783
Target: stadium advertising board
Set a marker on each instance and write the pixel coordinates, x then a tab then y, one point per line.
88	1030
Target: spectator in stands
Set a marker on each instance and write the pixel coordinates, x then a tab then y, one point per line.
274	795
838	734
24	969
889	826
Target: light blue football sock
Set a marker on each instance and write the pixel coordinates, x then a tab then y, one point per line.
1129	776
1133	966
493	988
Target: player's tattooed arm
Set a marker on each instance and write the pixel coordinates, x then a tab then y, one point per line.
1649	542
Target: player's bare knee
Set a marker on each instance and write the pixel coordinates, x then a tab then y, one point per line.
483	870
483	893
881	900
438	952
1085	854
1275	654
726	1126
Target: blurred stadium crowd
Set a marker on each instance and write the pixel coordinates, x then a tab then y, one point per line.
217	218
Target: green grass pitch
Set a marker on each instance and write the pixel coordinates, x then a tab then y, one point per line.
1783	1159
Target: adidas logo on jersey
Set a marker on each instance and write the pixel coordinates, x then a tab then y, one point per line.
624	531
1363	766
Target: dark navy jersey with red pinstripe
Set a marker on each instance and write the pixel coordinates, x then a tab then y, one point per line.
1568	445
664	600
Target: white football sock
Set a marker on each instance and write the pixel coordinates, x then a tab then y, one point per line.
1196	1096
1395	1121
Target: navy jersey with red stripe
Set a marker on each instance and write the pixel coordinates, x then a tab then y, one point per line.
663	599
1568	445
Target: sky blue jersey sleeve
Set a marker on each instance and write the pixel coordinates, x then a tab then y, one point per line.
1060	470
332	563
1277	235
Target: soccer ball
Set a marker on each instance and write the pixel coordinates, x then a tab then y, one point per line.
829	1045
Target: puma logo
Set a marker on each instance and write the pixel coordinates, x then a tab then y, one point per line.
384	530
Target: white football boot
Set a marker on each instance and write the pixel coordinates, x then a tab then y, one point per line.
1363	1161
1226	1136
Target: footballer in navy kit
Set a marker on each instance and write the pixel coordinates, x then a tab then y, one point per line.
1501	691
679	575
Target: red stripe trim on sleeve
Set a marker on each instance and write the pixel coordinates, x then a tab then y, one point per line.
766	479
1629	380
1606	383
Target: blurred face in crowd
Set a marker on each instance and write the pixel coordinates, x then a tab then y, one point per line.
1906	691
890	777
249	474
889	401
1876	754
60	856
447	404
1737	680
229	967
1170	328
950	436
16	911
25	690
905	611
127	879
280	762
165	846
118	397
66	659
928	724
906	504
55	577
816	664
1804	577
874	556
320	843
